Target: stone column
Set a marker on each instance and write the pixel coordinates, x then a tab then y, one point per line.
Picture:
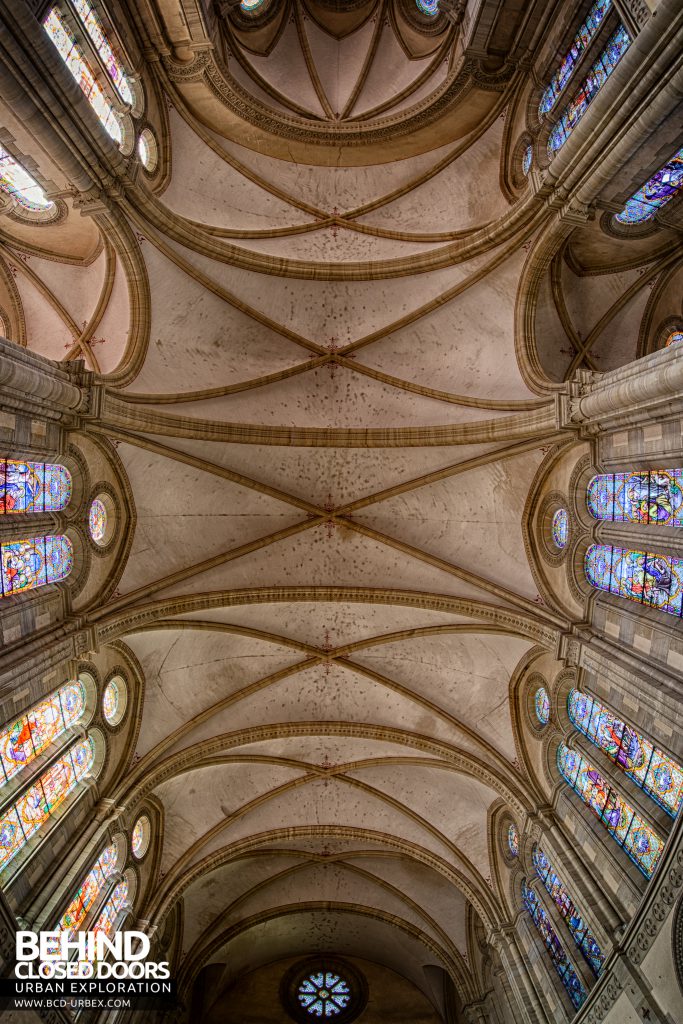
31	384
527	1007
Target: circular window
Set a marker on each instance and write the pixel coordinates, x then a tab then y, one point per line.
560	528
139	840
526	159
542	705
513	840
114	700
324	989
428	7
148	150
97	521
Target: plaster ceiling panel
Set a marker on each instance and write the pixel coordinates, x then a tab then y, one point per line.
589	297
346	188
466	346
46	332
197	800
331	397
431	86
616	344
76	286
205	188
197	340
185	515
465	193
321	556
285	70
329	623
331	476
243	77
467	675
188	671
554	348
337	244
389	74
111	334
473	519
339	62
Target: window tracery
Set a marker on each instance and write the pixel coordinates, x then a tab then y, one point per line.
651	579
33	487
558	955
25	739
20	185
579	44
89	891
651	769
35	562
627	828
580	932
655	193
93	27
646	496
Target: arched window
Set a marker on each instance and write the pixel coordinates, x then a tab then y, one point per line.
24	740
89	891
580	931
637	838
527	160
19	184
28	564
596	78
561	961
580	43
82	73
646	496
542	705
655	193
112	64
107	920
513	840
655	580
673	338
30	812
658	775
33	486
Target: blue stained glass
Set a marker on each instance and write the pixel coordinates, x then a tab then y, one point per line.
324	993
33	487
558	955
646	496
673	338
581	933
583	37
651	579
655	193
27	564
428	7
527	159
542	705
596	78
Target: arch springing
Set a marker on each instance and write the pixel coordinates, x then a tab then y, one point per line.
596	78
32	563
579	44
635	836
655	193
93	27
558	955
646	496
89	891
18	183
22	741
581	933
33	486
82	73
650	579
651	769
30	812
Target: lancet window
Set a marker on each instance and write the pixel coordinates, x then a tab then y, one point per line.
107	920
579	45
112	64
594	81
89	891
558	955
18	183
580	932
651	769
658	190
33	486
25	739
35	562
37	804
649	579
646	496
627	828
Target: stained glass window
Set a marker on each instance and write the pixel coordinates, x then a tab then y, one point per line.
527	158
19	184
97	521
27	737
106	921
89	891
580	43
561	961
251	5
651	769
580	931
560	528
27	564
33	486
82	73
542	705
647	496
597	76
634	835
674	337
30	812
139	840
324	993
428	7
655	580
110	701
513	840
655	193
93	27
